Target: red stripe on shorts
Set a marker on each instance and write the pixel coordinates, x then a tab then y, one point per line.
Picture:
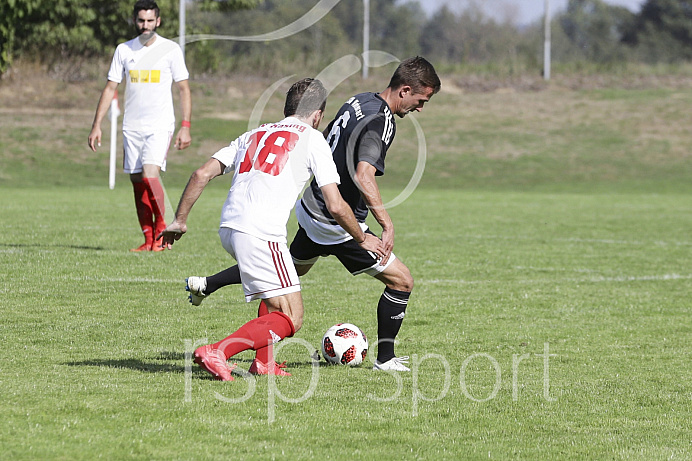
279	264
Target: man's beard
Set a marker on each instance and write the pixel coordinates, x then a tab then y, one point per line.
146	33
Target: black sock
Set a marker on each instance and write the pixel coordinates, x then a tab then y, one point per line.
390	314
230	276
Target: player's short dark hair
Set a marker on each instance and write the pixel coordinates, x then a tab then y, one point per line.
417	73
145	5
305	97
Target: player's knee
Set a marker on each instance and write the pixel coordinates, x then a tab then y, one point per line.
408	282
403	281
406	279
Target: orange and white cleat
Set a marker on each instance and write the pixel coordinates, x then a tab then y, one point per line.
146	246
273	368
157	245
214	361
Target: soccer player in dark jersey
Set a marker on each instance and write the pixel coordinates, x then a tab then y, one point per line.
360	136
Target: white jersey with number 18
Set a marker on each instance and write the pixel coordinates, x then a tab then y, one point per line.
272	165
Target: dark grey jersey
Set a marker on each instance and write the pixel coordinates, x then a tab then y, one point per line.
362	131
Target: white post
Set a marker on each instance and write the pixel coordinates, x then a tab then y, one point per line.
366	36
546	43
181	28
114	113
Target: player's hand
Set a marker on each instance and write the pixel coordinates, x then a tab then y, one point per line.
183	139
373	244
171	233
388	245
95	138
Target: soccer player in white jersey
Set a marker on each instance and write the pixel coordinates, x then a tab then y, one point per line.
360	136
271	166
150	64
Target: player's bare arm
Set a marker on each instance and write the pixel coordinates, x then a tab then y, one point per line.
183	139
101	110
342	213
194	188
365	177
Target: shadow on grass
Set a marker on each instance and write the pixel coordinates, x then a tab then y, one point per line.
149	365
39	245
146	366
157	364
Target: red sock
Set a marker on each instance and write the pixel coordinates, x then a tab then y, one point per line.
158	201
144	211
264	354
257	333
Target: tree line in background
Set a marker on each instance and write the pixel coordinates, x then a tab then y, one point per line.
588	31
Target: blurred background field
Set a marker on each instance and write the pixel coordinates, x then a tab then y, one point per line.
611	116
557	138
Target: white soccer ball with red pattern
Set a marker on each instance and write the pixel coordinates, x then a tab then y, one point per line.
344	344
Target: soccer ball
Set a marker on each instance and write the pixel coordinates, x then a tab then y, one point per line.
344	344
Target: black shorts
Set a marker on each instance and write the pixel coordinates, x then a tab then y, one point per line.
353	257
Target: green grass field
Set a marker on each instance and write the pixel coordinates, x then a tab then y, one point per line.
550	243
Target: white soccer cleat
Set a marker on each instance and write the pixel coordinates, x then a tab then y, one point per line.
395	364
196	287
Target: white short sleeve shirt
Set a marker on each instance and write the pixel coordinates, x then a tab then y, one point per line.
271	166
149	72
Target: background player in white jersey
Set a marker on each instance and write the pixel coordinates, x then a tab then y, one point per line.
360	135
271	166
150	63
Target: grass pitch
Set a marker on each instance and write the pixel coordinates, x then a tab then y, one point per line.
550	317
541	326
